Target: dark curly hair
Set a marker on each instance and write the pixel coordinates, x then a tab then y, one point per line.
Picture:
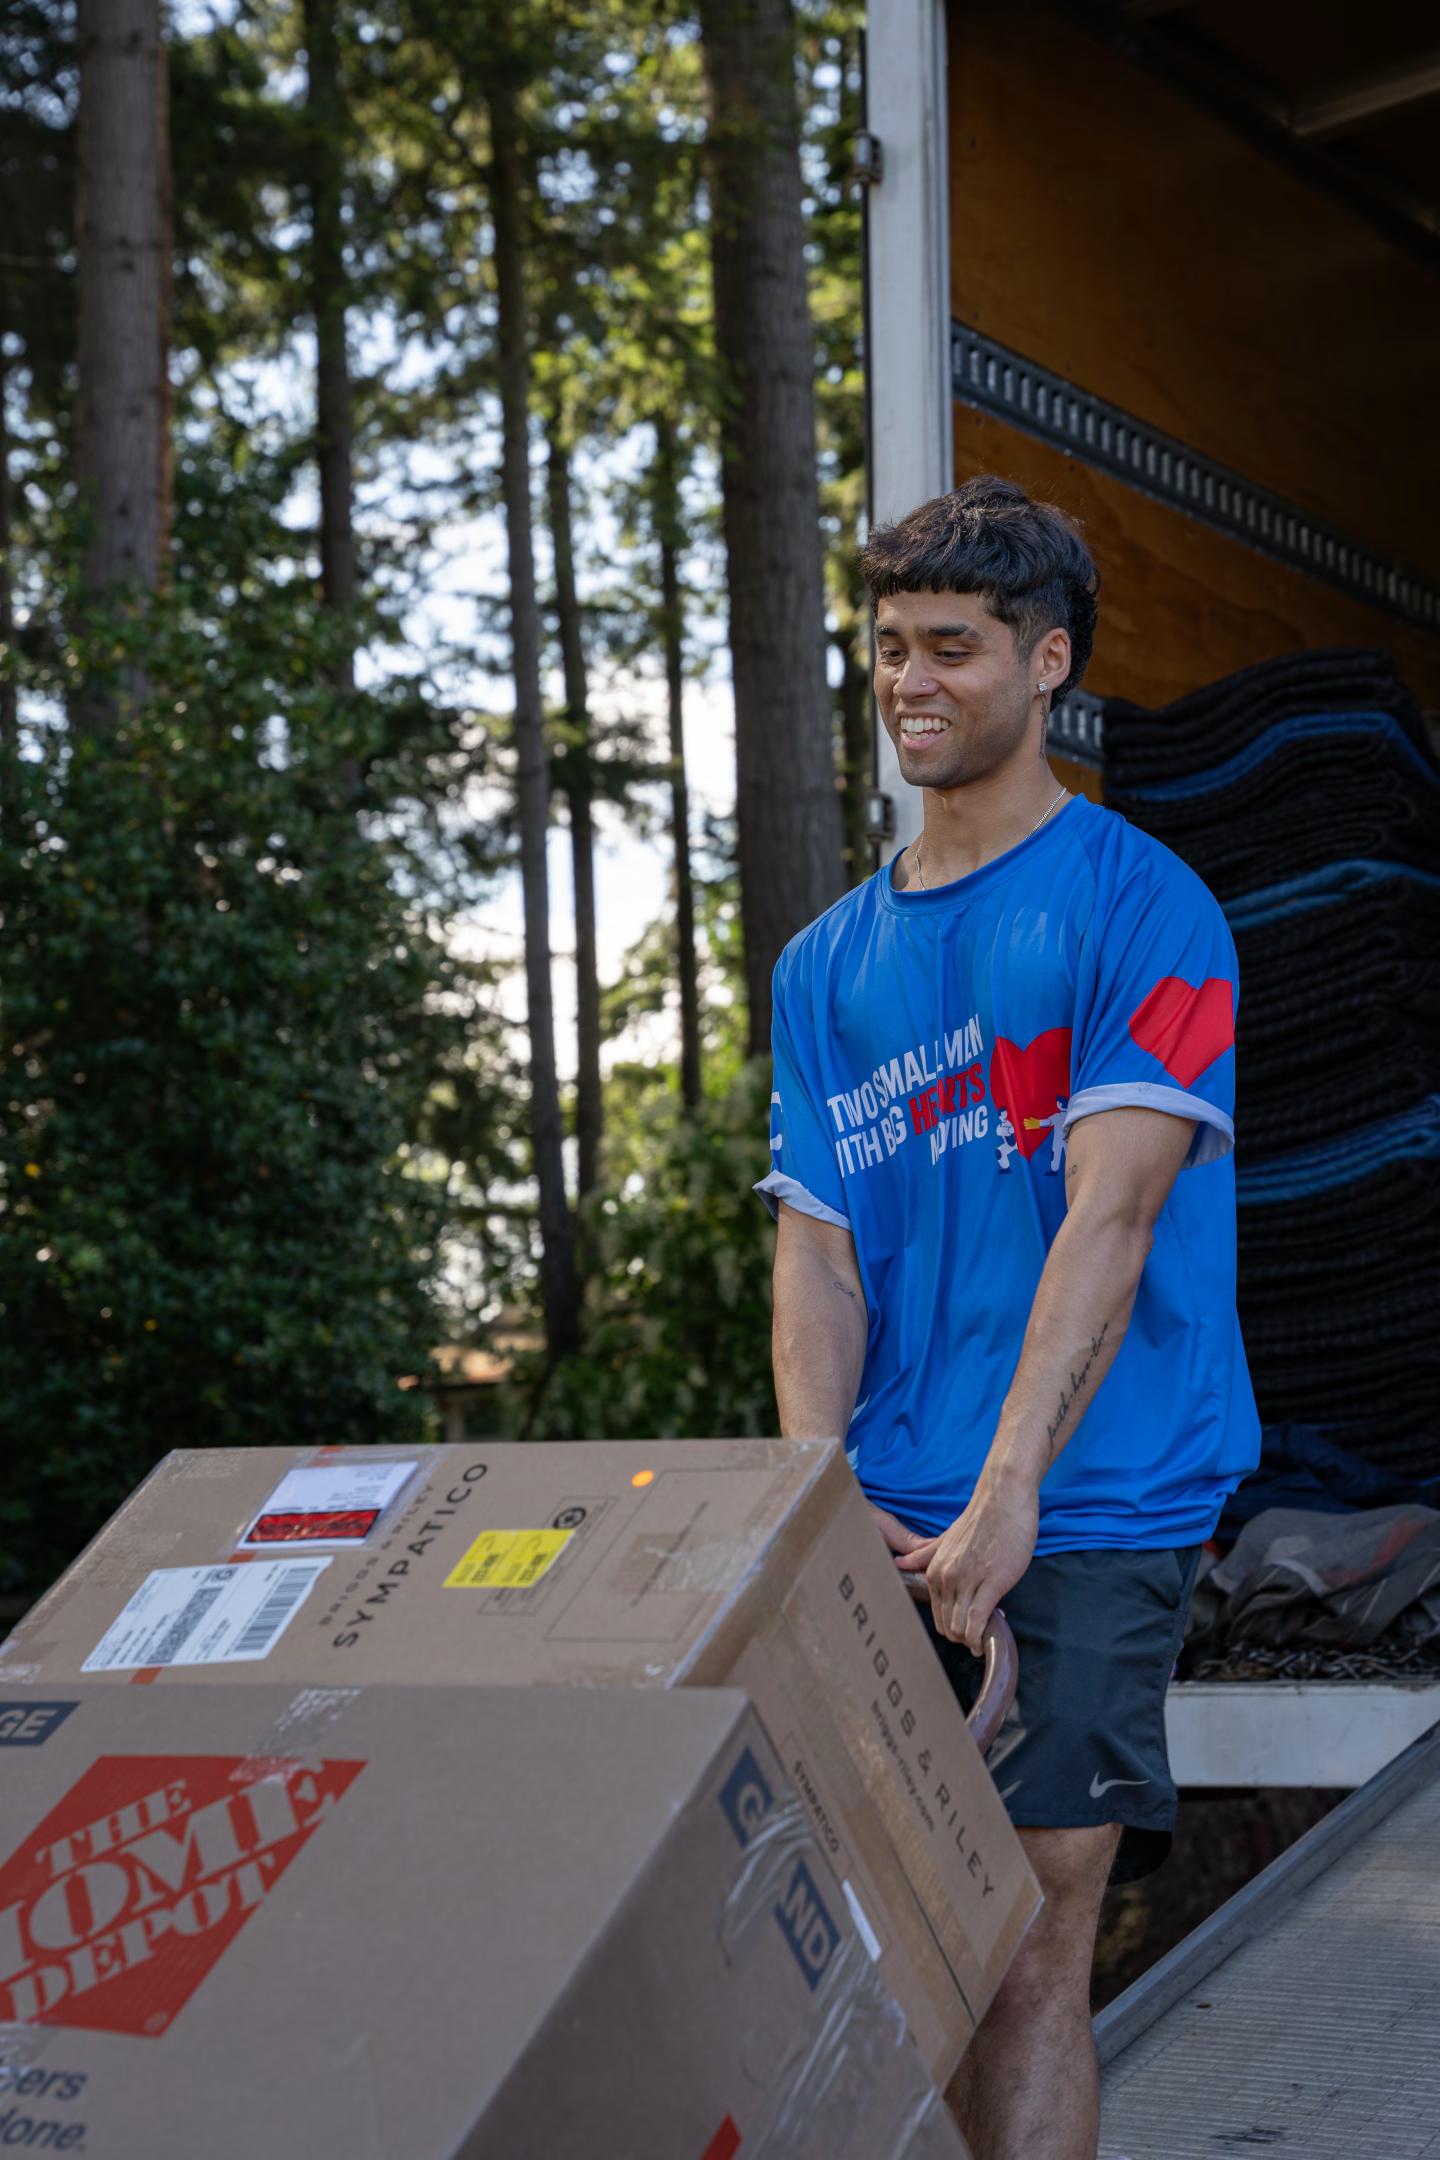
1026	559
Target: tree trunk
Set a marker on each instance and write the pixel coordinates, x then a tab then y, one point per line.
164	315
9	714
123	281
858	750
588	1107
788	803
334	430
672	634
558	1279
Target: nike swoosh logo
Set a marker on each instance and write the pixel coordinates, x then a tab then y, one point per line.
1097	1789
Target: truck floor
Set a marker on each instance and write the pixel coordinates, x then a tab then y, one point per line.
1319	2036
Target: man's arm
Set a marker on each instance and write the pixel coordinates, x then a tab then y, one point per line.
819	1338
820	1330
1120	1165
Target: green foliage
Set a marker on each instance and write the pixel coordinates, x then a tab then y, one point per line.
676	1341
37	184
676	1330
265	1124
223	1023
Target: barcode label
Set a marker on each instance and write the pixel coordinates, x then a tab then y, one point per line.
207	1616
270	1621
179	1631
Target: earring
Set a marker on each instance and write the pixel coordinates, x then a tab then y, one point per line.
1040	687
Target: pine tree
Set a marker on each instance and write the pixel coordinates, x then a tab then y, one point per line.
788	804
560	1293
326	136
122	425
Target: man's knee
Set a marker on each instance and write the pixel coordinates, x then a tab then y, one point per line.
1072	1867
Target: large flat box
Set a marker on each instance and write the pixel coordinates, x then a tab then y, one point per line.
356	1924
630	1564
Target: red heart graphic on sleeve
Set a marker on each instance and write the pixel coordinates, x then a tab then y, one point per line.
1186	1028
1029	1082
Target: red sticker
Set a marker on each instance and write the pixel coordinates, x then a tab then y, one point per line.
725	2142
1184	1028
118	1904
1031	1084
330	1527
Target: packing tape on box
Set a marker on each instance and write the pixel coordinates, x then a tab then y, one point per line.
833	2076
21	2046
302	1728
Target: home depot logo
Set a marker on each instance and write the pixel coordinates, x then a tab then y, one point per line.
121	1900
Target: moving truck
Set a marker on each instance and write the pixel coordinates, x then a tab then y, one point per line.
1176	268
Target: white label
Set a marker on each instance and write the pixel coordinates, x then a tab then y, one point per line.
861	1918
335	1503
206	1615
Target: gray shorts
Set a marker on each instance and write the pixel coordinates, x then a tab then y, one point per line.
1098	1633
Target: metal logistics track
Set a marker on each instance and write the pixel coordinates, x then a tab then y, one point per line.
1304	2016
1026	395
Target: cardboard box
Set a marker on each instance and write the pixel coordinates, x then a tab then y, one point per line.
633	1564
246	1921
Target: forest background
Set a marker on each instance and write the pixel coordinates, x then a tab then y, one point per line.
431	435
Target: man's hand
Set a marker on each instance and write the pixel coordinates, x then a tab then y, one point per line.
978	1560
898	1537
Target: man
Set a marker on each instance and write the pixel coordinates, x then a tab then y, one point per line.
1004	1081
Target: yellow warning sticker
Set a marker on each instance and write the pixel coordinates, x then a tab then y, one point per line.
507	1559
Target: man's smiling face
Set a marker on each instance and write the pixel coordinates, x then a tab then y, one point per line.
956	699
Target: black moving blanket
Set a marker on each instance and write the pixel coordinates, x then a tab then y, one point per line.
1306	794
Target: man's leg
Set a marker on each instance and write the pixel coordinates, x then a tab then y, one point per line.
1029	2088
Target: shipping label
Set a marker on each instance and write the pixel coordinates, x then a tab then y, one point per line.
507	1559
207	1615
328	1503
117	1905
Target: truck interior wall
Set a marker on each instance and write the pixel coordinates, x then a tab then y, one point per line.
1107	228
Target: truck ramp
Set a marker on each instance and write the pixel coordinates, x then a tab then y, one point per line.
1304	2016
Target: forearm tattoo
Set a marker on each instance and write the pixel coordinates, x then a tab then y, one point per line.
1077	1382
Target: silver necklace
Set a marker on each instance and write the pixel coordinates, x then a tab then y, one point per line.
920	873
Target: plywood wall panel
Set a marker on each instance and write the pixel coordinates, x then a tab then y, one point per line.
1182	605
1105	227
1080	779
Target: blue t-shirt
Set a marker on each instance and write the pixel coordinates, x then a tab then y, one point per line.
932	1051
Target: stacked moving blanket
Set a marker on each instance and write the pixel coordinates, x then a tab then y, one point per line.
1305	793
